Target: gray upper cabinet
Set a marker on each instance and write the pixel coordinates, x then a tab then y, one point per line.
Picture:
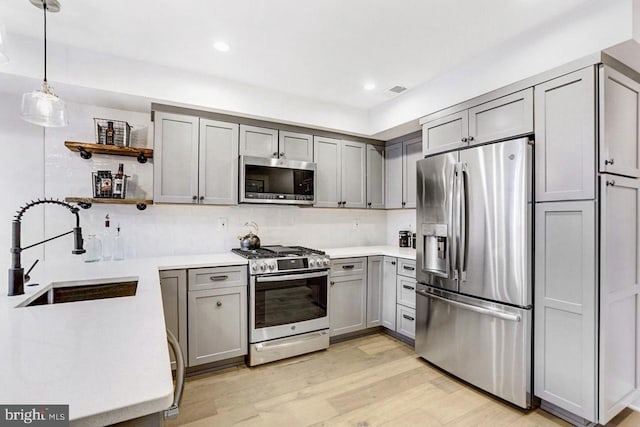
259	142
375	177
341	170
175	177
412	152
295	146
502	118
173	285
328	159
619	124
375	277
218	182
446	133
394	176
565	137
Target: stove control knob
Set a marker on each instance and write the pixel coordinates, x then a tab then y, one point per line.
254	267
263	267
312	263
272	266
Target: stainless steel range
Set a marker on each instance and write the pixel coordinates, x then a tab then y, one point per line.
288	302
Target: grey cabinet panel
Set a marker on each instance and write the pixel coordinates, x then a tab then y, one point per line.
296	146
565	306
217	324
406	291
327	155
375	277
375	177
218	171
565	137
348	297
348	267
412	152
354	166
175	172
506	117
173	285
389	293
406	321
619	294
619	124
407	267
257	141
447	133
394	176
217	277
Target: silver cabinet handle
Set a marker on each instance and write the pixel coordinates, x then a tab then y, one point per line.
464	139
408	317
332	283
348	267
282	154
201	198
275	154
609	162
194	198
470	138
411	288
393	263
218	278
611	183
489	312
408	267
219	303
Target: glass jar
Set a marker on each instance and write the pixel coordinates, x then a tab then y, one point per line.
93	248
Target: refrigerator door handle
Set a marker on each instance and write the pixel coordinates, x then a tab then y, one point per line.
489	312
464	220
451	233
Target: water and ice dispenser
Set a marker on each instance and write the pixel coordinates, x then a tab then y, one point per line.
435	249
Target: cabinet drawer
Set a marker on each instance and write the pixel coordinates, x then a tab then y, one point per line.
406	267
406	321
217	277
348	267
406	291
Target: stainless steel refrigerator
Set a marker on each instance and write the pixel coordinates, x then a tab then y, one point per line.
474	293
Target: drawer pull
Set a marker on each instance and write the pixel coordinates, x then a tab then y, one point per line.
218	278
408	267
411	288
219	303
408	317
348	267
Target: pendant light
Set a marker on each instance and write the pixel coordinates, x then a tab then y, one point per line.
43	107
4	59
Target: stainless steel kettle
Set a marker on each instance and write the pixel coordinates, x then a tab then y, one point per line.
250	241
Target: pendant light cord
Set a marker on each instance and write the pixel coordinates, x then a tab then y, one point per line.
44	8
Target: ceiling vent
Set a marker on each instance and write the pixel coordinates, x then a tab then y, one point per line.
398	89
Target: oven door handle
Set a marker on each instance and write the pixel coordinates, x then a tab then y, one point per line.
291	277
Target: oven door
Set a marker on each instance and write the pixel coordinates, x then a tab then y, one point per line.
285	305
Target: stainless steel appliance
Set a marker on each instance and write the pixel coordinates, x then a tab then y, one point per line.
474	257
279	181
288	302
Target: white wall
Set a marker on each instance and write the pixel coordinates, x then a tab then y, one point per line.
399	219
636	20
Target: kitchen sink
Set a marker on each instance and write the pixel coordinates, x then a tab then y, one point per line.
84	290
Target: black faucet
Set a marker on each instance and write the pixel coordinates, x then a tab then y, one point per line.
16	272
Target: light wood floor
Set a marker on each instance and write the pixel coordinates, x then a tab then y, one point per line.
369	381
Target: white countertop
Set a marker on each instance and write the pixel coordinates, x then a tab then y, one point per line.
108	359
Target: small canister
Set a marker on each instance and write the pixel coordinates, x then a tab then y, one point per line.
404	238
413	241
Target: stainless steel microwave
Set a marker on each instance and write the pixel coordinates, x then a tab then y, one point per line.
277	181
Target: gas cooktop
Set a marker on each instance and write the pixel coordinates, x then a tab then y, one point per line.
277	251
280	259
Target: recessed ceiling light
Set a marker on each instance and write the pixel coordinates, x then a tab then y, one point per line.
221	46
369	86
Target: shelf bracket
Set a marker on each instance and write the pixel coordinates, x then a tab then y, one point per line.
84	153
142	158
84	205
141	206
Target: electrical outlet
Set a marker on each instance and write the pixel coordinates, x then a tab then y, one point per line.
356	223
223	224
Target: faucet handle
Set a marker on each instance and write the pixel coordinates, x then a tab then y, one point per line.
26	275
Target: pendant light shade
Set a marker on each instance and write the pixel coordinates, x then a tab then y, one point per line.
43	107
3	45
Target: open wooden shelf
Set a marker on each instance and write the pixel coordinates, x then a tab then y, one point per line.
87	148
86	202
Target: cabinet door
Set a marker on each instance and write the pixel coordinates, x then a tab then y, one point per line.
406	291
394	176
375	177
326	152
217	324
565	306
412	152
348	304
619	294
375	276
173	285
296	146
218	184
507	117
619	124
259	142
354	167
447	133
565	137
175	168
406	321
389	293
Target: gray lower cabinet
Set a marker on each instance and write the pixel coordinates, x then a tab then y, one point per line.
217	305
619	123
565	137
375	177
389	293
173	284
406	321
446	133
341	170
259	142
565	303
406	298
348	296
393	176
196	160
406	291
375	280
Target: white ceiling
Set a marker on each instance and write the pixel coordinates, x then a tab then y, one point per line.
321	49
